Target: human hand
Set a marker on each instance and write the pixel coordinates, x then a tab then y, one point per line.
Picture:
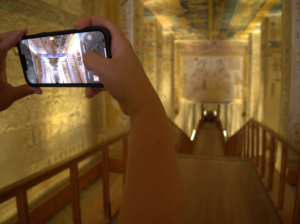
123	75
8	93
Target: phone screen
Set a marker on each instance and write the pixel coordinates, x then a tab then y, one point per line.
59	59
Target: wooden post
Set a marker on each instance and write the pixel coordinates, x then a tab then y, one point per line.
238	142
241	142
125	156
282	177
271	164
245	141
263	155
75	194
257	145
105	178
252	139
296	218
248	140
22	206
177	139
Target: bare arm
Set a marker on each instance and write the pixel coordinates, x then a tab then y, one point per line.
153	191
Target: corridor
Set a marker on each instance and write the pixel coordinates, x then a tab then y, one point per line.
208	141
222	190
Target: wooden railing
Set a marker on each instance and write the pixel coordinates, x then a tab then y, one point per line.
246	143
182	141
19	189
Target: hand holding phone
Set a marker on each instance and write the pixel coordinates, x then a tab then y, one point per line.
8	93
56	59
123	76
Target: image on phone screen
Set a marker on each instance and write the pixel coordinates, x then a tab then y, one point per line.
59	59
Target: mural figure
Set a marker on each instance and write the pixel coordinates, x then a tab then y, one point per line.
199	78
221	78
209	78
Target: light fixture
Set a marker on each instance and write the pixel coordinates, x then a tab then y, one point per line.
51	38
193	134
215	113
225	133
204	113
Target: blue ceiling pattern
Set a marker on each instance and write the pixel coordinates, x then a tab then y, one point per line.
231	19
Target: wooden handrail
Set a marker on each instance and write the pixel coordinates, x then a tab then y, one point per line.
244	134
276	135
19	188
38	177
279	137
182	141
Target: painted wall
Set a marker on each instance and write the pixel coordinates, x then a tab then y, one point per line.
131	23
290	113
255	84
152	51
271	61
187	55
167	77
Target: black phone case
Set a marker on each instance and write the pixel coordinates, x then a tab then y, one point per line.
107	37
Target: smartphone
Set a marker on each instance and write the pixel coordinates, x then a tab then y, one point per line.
55	59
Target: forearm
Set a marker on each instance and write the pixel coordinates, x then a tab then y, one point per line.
153	190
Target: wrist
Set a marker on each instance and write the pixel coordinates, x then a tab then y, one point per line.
147	104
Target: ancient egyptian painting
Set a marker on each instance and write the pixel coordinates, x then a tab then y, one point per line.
206	77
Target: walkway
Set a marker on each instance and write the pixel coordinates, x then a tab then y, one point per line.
225	191
218	189
208	141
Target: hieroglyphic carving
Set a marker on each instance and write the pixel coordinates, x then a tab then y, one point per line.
271	67
131	23
152	51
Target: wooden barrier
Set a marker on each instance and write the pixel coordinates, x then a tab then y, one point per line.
182	142
242	139
20	188
70	192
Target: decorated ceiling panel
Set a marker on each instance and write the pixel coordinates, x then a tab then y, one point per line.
210	19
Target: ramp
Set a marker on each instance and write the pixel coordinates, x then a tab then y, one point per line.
208	141
225	191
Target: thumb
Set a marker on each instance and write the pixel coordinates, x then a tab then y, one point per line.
97	63
19	92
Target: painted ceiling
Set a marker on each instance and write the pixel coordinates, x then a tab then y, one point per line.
210	19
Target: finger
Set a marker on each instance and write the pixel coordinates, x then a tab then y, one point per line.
19	92
8	34
91	92
11	41
3	77
97	63
116	33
